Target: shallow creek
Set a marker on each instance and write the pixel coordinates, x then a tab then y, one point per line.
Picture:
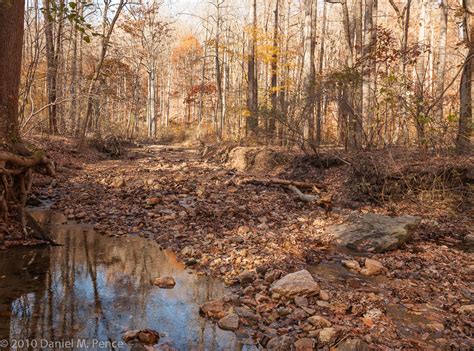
96	288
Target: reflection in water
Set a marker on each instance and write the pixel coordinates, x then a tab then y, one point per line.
95	287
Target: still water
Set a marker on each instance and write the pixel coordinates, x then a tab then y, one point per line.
96	288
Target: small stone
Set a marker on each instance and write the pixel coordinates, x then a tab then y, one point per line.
305	344
247	277
229	322
326	335
273	275
351	264
299	283
301	301
280	343
298	314
372	267
213	309
319	322
246	314
322	303
466	309
323	295
165	282
148	337
352	345
130	335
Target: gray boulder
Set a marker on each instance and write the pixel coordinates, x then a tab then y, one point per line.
373	232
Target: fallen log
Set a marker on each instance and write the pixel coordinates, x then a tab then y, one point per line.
284	182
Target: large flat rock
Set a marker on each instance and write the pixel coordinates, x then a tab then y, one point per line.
372	232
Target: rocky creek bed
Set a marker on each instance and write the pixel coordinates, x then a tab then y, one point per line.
413	293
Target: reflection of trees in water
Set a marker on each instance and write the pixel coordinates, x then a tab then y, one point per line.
97	287
22	278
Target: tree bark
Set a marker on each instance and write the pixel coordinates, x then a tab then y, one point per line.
274	75
309	69
252	89
12	14
463	141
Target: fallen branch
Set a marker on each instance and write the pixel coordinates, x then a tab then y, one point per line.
301	196
277	181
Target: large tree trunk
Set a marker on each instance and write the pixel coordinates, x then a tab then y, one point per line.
463	142
11	43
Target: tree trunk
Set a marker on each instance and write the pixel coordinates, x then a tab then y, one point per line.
11	43
252	92
319	96
53	49
309	73
463	141
441	59
274	78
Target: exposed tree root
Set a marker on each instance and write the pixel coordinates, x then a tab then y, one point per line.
16	177
284	182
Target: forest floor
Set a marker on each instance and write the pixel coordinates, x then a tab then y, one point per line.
221	225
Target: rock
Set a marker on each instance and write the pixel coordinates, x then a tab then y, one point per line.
262	269
298	314
165	282
301	301
130	335
372	267
323	295
322	303
229	322
298	283
319	322
246	314
326	335
213	309
148	337
145	336
351	264
273	275
468	241
118	182
352	345
305	344
247	277
152	201
466	309
280	343
373	232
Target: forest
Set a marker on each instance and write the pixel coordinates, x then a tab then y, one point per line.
236	174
